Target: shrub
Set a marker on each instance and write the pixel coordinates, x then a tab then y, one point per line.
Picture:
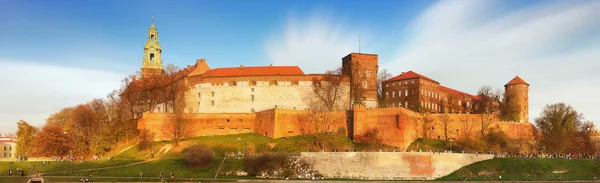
145	139
199	155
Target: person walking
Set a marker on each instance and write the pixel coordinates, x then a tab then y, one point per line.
9	172
141	174
172	175
500	178
161	175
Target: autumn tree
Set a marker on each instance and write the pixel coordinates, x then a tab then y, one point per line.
85	129
25	138
563	130
52	141
509	110
428	124
445	122
61	117
326	96
466	122
381	76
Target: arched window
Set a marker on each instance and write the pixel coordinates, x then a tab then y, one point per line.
152	56
364	84
152	37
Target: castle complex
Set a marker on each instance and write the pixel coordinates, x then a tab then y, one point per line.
274	100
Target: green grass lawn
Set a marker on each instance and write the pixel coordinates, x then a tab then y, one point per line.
434	145
528	169
59	166
152	169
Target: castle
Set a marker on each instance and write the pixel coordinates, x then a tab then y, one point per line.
274	100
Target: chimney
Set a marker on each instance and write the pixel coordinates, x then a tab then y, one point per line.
270	66
241	66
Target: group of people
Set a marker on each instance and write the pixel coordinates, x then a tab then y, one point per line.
161	175
10	172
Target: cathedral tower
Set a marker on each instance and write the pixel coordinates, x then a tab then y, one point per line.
362	70
517	91
152	62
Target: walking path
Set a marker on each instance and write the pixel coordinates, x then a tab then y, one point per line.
101	168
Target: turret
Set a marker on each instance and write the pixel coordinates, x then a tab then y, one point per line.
517	96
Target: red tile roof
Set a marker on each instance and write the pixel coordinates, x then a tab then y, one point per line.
255	71
410	75
455	92
516	80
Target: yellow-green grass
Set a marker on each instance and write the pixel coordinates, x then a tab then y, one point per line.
57	166
522	169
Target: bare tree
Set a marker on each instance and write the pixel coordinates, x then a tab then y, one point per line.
487	107
445	122
179	126
427	124
326	96
381	76
466	127
508	107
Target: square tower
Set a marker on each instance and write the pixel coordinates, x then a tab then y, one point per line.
362	70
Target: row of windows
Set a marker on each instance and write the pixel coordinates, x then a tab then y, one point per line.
400	83
399	104
430	94
9	148
429	83
399	93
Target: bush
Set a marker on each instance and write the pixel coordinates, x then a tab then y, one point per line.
273	166
145	139
199	155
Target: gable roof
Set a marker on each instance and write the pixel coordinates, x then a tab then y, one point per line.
516	80
410	75
454	92
254	71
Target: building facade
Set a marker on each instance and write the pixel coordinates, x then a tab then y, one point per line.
419	93
8	146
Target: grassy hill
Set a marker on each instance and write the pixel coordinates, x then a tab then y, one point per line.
528	169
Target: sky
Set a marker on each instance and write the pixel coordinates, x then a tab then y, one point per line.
56	54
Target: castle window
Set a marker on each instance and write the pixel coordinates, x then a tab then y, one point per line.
228	120
212	102
152	56
393	94
213	94
246	129
405	103
399	93
240	120
386	95
368	73
233	129
405	92
364	84
252	89
152	37
252	98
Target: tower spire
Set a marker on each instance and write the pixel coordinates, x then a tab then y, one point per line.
152	62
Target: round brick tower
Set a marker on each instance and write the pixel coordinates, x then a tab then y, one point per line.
518	90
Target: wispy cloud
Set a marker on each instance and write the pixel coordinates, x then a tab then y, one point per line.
32	91
467	44
316	43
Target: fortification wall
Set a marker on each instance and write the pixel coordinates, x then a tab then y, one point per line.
298	122
200	124
389	165
469	125
396	126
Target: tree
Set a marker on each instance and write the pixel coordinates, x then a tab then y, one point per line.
326	96
427	124
509	110
563	130
382	75
466	127
61	117
52	141
85	129
145	139
486	107
445	122
173	94
25	138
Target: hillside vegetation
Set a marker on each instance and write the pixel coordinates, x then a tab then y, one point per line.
523	169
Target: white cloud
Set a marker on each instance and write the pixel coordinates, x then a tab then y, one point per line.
33	91
467	44
316	44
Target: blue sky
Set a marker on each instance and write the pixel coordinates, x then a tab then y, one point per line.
55	54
